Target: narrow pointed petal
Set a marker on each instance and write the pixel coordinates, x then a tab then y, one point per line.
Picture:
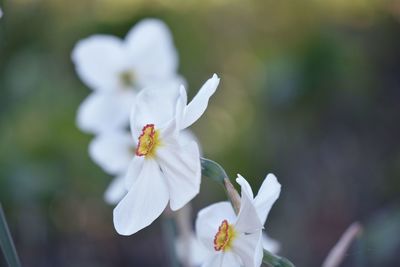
116	190
249	249
112	151
199	103
181	166
98	60
144	202
102	111
245	186
248	220
209	219
152	51
266	197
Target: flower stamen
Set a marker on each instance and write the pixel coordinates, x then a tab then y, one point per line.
148	141
224	237
127	78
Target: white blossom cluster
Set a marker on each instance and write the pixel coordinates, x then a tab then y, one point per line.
139	114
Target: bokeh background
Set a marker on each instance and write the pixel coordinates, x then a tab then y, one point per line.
310	91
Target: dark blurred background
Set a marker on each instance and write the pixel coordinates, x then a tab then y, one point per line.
310	91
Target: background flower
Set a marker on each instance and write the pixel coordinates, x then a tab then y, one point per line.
117	69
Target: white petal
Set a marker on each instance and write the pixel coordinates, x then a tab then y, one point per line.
134	171
156	106
249	249
209	219
113	151
98	60
245	186
144	202
181	166
105	111
266	197
152	51
215	260
270	244
115	191
248	220
188	136
199	103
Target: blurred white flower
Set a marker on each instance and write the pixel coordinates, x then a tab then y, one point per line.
166	167
1	13
117	69
113	151
231	241
266	197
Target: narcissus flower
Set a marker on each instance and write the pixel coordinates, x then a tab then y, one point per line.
117	69
266	197
231	240
166	167
113	152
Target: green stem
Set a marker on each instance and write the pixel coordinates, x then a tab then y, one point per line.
6	242
276	261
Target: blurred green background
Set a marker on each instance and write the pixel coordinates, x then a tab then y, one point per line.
310	91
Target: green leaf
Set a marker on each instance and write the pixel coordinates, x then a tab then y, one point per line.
6	242
276	261
213	170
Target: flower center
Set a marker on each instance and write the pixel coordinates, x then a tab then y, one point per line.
148	141
127	78
224	237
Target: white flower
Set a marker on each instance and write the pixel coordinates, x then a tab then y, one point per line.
114	150
231	240
165	166
266	197
116	69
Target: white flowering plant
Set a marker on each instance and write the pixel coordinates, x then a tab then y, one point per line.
156	160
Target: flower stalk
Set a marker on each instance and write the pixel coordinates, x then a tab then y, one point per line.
276	261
